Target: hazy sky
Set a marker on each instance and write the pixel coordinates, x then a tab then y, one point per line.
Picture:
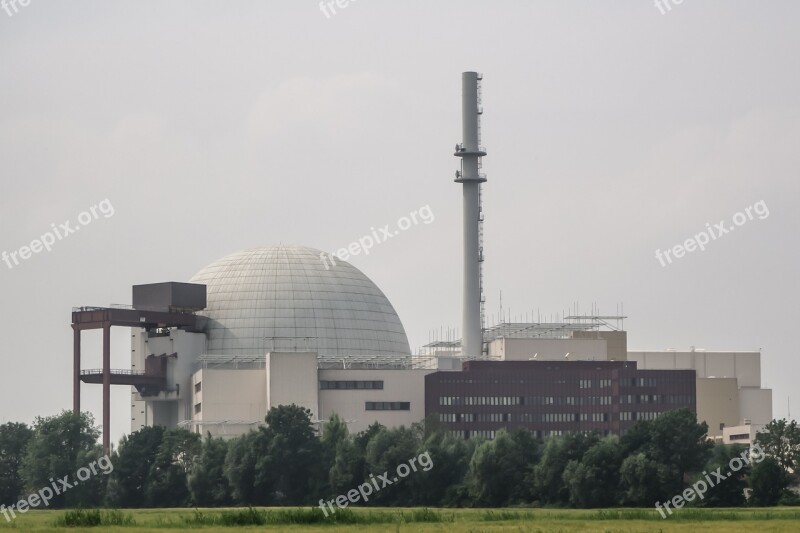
613	130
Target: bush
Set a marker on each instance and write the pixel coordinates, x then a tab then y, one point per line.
94	518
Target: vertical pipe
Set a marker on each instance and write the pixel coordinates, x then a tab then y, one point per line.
470	178
76	369
107	387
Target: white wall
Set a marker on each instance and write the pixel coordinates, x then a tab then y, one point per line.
549	349
139	417
752	402
232	401
350	405
291	378
755	405
749	430
189	346
718	402
745	366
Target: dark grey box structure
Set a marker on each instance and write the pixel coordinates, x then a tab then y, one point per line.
169	296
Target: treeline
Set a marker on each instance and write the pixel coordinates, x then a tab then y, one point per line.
286	463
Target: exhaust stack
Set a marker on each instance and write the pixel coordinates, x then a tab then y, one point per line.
470	151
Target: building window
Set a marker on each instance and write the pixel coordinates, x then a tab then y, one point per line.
740	436
585	383
351	385
605	383
388	406
198	386
197	408
450	400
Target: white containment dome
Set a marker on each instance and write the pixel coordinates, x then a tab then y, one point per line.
283	298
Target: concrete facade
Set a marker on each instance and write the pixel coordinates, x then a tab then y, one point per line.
399	386
745	434
291	378
729	389
581	346
174	405
228	402
718	404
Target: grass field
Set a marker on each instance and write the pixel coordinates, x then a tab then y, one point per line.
432	520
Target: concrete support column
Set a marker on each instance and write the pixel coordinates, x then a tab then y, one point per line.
107	387
76	369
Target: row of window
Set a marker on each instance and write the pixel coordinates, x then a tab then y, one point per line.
575	417
350	385
544	417
388	406
490	434
634	415
543	379
525	400
549	379
637	382
672	399
588	383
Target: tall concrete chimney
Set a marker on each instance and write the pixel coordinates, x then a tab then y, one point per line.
470	178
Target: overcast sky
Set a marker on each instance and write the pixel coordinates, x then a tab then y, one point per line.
613	130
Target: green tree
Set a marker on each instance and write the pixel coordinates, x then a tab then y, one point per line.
781	440
642	481
207	482
290	470
444	484
729	493
679	443
167	484
548	480
240	468
386	450
497	469
60	446
337	448
132	462
14	440
594	480
768	481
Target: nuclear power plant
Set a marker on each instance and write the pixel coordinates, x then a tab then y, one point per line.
275	326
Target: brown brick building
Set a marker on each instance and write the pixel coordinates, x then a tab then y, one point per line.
554	397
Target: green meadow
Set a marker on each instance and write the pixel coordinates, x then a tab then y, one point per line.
782	519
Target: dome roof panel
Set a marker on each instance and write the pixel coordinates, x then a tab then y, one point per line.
284	298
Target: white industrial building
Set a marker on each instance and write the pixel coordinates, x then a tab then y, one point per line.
281	325
729	392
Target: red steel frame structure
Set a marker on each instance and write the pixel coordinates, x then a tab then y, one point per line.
88	318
